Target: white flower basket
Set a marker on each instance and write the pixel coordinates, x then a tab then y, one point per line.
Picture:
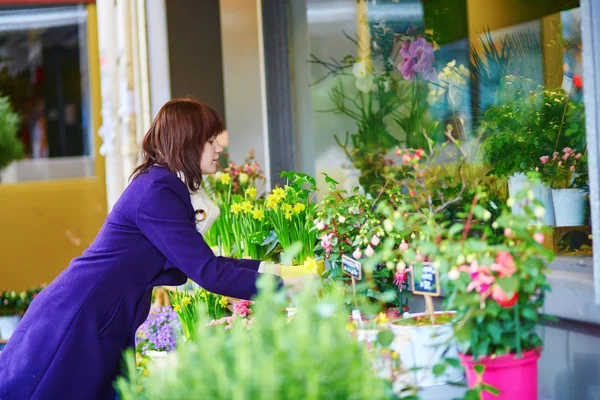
541	192
8	324
422	347
570	206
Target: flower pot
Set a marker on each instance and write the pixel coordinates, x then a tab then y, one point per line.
570	206
8	324
541	192
422	347
515	378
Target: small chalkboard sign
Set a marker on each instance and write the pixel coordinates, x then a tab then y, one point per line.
352	267
426	280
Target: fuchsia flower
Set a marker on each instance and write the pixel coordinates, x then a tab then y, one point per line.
481	278
326	242
400	276
505	264
403	246
572	168
375	240
357	254
538	237
369	251
544	159
406	158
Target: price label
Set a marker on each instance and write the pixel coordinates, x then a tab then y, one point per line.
352	267
425	280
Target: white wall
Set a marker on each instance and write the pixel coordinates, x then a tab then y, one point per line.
243	72
158	55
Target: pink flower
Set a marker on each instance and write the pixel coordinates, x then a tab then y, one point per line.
578	156
320	225
326	242
398	152
505	264
480	282
406	158
407	69
423	51
572	168
403	246
567	150
538	237
400	277
555	155
357	254
242	308
369	251
508	232
375	240
404	49
566	156
544	159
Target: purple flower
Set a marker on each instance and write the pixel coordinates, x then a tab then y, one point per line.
407	69
159	331
422	51
404	50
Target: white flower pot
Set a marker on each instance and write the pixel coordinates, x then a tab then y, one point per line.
8	324
541	192
570	206
422	347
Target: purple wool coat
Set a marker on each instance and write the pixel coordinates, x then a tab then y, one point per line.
69	343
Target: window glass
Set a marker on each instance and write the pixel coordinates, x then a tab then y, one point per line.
500	79
44	84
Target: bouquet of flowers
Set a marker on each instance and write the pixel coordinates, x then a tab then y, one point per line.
563	171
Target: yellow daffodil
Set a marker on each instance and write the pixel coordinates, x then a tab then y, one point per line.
280	193
203	294
310	265
251	192
299	207
246	206
350	326
272	201
288	208
186	301
258	214
177	308
288	215
225	178
236	208
382	319
224	301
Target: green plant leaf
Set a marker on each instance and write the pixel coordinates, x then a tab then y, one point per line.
385	338
439	369
490	389
479	369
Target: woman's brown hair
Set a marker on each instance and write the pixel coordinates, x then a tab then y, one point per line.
177	136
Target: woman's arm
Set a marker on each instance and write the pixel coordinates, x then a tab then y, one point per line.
163	217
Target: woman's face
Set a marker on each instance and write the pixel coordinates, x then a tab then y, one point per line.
210	157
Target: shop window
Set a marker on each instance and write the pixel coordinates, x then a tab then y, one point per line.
43	80
502	77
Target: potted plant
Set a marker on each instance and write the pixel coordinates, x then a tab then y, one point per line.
497	290
159	332
566	174
529	122
11	148
12	307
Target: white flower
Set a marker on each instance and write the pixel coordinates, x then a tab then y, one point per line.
243	178
359	69
388	225
487	215
366	84
453	274
341	219
510	202
540	212
320	225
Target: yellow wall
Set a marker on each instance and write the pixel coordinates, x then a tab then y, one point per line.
43	225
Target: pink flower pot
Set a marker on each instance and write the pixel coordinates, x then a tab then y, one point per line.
515	378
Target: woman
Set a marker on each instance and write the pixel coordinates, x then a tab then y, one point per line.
70	341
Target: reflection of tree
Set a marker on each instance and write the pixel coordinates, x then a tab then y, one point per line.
19	91
511	57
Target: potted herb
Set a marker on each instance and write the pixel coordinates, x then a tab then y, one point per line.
566	174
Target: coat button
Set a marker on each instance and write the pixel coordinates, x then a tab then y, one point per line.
200	215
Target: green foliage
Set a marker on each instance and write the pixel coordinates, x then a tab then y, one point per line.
311	356
16	303
11	148
527	123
